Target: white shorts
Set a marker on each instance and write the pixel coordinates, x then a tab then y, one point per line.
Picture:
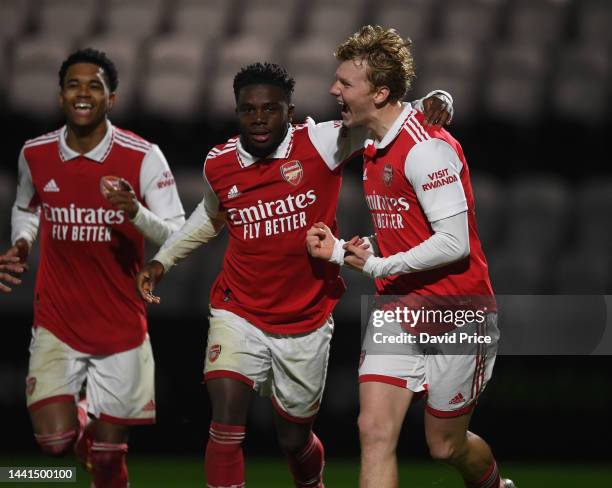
120	387
291	369
451	382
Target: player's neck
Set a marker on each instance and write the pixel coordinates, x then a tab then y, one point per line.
84	139
383	119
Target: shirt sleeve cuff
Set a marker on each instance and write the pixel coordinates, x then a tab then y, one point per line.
337	256
372	267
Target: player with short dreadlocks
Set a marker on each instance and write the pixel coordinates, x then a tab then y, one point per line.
270	316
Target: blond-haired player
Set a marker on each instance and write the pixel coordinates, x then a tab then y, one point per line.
417	187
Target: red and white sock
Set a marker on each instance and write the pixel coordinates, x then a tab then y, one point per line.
224	460
490	479
307	466
109	468
56	444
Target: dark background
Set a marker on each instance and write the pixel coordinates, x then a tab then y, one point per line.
531	81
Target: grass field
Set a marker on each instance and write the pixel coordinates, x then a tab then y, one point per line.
183	472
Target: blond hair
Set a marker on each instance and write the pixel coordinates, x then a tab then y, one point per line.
388	57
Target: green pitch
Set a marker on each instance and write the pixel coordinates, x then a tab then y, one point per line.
184	472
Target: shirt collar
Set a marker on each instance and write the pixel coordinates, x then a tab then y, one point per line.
97	154
393	131
281	152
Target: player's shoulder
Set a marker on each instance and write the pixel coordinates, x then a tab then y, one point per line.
44	139
221	150
131	140
418	132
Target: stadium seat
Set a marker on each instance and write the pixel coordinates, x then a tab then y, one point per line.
514	272
194	18
581	88
312	98
471	20
174	80
125	54
133	19
594	21
594	207
8	185
410	18
583	271
13	18
514	84
269	19
240	51
490	198
538	205
311	54
221	103
334	20
538	21
72	19
454	66
33	87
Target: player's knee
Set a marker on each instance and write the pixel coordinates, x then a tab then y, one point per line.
57	444
374	430
444	450
293	444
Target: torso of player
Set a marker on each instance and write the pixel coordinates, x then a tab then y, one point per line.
401	223
268	276
90	252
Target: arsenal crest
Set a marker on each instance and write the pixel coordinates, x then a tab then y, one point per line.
30	385
388	174
214	352
292	171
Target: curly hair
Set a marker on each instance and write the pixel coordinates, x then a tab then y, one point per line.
91	56
264	74
388	57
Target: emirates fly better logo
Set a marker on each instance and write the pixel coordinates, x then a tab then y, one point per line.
292	171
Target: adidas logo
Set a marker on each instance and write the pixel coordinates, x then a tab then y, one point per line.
149	407
233	193
457	399
51	186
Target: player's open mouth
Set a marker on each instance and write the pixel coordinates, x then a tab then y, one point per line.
83	108
344	108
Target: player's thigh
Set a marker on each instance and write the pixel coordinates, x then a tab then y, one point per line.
55	374
299	369
446	433
382	408
230	400
236	350
456	381
121	386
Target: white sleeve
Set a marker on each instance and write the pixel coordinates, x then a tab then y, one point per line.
334	142
164	212
450	242
434	170
204	223
25	215
442	95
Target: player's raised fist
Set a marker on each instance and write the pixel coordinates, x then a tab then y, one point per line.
320	241
150	274
120	194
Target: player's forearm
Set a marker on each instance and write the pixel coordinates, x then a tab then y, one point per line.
449	243
154	228
199	228
24	225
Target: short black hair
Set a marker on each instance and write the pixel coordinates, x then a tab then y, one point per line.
264	74
91	56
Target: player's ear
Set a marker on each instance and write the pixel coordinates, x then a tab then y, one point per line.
381	94
111	101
